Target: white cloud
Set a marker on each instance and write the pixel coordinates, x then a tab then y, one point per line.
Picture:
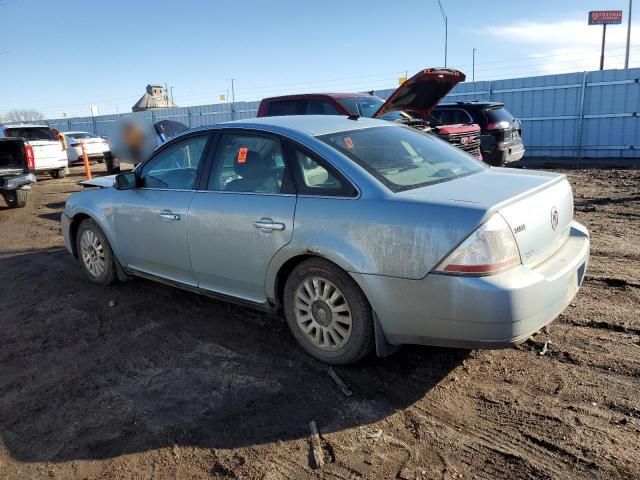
570	45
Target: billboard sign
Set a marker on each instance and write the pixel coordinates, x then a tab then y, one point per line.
605	17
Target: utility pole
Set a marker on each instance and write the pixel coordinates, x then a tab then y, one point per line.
473	68
626	55
233	100
604	34
446	32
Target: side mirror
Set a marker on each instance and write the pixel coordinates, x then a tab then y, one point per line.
126	181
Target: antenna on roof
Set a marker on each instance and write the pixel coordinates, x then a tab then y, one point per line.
353	117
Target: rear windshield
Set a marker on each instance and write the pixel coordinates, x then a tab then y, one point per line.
32	133
498	114
403	158
80	135
363	106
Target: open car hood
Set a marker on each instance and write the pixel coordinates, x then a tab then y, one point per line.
422	92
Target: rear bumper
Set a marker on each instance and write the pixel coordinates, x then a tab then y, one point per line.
479	312
499	154
17	181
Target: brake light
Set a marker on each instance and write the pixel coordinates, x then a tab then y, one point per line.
31	160
498	125
490	249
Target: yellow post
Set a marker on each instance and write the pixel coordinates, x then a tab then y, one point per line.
87	168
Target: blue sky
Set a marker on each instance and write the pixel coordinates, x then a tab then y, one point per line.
65	56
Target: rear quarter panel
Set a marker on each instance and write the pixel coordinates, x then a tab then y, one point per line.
381	236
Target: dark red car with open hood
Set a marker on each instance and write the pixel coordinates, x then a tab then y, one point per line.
411	103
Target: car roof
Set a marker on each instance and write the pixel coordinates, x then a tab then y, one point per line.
316	95
472	103
313	125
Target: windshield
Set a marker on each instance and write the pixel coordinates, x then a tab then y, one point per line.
363	106
403	158
32	133
80	135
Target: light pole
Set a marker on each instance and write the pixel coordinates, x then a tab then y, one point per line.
233	100
446	33
626	55
473	67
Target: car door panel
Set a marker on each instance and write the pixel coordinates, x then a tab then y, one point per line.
152	229
229	252
152	220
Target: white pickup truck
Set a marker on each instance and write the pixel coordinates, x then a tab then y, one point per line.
49	154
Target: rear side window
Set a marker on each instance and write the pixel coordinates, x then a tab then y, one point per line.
249	163
316	177
321	107
498	114
32	133
286	107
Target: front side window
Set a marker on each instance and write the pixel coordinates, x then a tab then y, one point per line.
175	167
80	135
248	163
403	158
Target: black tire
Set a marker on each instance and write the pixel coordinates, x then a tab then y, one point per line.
60	173
16	198
109	274
360	341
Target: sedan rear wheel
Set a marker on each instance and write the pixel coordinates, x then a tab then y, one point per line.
328	313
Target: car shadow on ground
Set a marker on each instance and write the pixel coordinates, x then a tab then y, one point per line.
89	372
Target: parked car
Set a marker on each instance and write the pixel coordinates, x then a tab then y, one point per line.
16	171
95	146
364	232
48	151
501	139
411	104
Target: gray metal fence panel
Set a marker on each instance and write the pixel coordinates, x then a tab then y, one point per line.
573	115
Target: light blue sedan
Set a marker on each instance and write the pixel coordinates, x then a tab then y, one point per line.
366	234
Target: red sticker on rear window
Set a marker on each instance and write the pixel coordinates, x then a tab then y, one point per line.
242	154
348	142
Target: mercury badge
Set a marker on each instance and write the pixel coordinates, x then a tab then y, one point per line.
554	217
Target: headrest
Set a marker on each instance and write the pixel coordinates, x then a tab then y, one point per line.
252	166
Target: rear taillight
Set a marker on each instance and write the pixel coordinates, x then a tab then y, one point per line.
491	248
31	160
498	125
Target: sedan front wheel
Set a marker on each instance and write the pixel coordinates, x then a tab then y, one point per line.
95	254
328	313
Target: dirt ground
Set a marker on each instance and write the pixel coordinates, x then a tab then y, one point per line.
142	381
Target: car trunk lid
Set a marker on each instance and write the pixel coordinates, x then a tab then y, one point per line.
421	93
538	206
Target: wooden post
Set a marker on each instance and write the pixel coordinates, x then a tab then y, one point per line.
87	167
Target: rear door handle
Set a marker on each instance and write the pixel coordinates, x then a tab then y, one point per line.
167	215
268	224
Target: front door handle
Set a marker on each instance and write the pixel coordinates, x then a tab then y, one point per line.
167	215
268	224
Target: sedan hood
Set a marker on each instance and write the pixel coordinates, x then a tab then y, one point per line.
422	92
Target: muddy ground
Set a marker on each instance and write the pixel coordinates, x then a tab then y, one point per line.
168	384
